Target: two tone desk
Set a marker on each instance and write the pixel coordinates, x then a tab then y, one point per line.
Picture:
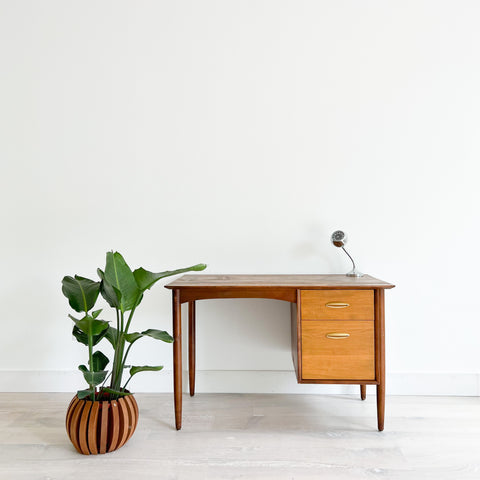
338	326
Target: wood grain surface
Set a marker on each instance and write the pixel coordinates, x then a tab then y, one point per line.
101	427
294	281
350	358
359	304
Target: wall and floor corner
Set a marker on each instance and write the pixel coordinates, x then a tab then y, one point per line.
241	134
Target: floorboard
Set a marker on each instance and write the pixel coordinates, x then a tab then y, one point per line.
244	436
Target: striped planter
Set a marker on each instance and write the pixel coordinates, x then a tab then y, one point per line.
103	426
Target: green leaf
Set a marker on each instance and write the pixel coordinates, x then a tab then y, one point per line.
115	392
112	335
81	394
96	313
97	338
158	335
100	361
146	279
94	378
83	337
109	293
79	335
83	368
119	276
90	326
133	337
81	292
145	368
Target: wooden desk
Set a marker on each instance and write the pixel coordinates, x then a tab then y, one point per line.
338	326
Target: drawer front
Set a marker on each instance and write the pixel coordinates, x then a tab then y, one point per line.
338	350
337	304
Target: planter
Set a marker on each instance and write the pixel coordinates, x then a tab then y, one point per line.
101	426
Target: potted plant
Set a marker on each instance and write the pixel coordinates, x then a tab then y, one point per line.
102	417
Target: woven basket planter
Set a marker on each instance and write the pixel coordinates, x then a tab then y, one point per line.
101	426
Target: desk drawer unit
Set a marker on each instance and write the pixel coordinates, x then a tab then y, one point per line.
337	304
337	335
338	350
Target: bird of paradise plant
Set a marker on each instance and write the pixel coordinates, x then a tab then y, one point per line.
123	290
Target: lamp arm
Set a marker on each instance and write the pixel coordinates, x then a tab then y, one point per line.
343	248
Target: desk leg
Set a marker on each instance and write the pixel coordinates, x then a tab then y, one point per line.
380	355
177	357
191	346
363	392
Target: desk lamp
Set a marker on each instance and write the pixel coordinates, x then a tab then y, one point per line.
339	239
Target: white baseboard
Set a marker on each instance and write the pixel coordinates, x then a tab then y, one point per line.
246	381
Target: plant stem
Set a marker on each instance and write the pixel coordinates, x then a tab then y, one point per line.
125	360
118	355
116	360
90	361
125	386
130	317
126	355
119	371
105	381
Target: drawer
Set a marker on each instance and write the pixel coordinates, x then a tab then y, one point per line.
338	350
337	304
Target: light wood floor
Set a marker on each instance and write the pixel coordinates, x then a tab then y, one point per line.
231	436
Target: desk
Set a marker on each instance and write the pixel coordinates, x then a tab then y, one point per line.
338	326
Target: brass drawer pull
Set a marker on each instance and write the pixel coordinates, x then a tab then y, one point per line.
337	305
337	336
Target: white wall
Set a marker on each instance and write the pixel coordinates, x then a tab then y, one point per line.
241	134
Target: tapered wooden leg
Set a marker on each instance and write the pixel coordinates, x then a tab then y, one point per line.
191	347
380	406
177	358
380	355
363	392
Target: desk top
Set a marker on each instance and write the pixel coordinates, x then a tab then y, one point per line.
291	281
